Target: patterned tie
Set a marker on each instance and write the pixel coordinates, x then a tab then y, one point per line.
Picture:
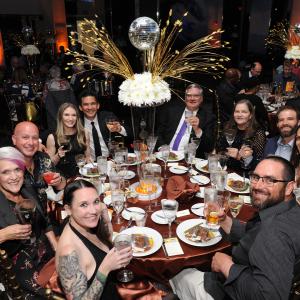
179	135
96	139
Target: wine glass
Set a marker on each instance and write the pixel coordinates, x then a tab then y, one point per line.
235	206
80	160
122	241
66	145
25	211
188	114
151	142
223	158
111	122
137	147
230	136
169	208
149	184
164	155
117	201
102	169
189	155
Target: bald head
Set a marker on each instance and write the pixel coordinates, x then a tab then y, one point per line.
26	138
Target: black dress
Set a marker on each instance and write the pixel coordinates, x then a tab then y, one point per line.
257	142
67	165
109	291
28	258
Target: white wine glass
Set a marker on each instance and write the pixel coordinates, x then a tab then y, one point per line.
164	155
169	208
118	201
102	169
122	241
230	136
235	206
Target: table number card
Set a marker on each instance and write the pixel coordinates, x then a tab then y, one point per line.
182	213
172	247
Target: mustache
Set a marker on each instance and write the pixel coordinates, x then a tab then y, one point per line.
254	190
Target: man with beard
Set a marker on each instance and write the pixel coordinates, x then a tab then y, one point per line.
266	248
287	123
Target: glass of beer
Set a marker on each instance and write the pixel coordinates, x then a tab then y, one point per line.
212	206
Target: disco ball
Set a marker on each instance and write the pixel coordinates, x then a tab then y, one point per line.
27	31
297	28
143	33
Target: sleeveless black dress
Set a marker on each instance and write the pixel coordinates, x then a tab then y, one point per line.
109	292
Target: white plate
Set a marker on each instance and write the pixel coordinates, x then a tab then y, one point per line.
157	239
107	200
235	176
130	212
178	170
83	171
135	162
198	209
185	225
128	174
200	164
180	156
200	179
158	217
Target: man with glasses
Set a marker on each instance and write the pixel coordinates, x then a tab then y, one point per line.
265	248
179	122
287	124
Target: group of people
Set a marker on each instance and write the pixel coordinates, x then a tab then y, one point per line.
266	248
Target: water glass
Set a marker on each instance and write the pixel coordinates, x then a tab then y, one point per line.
213	162
297	194
121	155
169	208
140	219
151	142
122	241
219	179
117	201
164	154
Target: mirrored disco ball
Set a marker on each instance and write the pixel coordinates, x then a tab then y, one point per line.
27	31
143	33
297	28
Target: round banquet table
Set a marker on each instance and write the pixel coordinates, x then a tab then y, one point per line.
160	267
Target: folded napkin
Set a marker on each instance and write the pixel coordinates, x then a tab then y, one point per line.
180	189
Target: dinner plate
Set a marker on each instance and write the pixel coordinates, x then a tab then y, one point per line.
187	224
158	217
83	171
235	176
127	174
155	235
198	209
200	179
201	163
178	169
131	212
132	160
180	156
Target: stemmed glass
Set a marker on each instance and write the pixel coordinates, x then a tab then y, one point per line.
80	160
169	208
137	148
230	136
149	183
111	122
235	206
187	115
164	155
66	147
117	201
102	169
25	211
223	158
151	142
122	241
189	155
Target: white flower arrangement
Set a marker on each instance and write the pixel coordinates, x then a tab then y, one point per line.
144	90
293	53
30	50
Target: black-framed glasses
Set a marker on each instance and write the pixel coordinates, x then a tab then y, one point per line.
267	180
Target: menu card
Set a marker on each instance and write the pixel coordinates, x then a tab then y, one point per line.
172	247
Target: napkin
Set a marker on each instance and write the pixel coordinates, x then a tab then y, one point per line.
178	188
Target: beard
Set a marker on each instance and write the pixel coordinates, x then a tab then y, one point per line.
269	201
292	131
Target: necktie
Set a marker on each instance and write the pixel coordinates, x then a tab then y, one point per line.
179	135
96	141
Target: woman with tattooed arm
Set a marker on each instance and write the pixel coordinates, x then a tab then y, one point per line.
85	257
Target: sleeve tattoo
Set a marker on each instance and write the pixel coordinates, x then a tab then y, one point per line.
74	281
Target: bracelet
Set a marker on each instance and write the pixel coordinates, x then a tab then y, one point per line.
101	277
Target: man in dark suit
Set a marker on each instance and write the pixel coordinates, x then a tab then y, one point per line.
254	71
178	122
95	122
282	144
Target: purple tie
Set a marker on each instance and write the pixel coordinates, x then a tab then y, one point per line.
179	135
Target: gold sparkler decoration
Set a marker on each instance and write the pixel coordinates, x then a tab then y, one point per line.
162	61
278	36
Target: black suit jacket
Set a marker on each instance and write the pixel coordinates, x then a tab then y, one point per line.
169	118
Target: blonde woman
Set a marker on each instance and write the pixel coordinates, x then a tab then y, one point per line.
69	140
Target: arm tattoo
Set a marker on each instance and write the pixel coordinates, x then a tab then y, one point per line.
74	281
